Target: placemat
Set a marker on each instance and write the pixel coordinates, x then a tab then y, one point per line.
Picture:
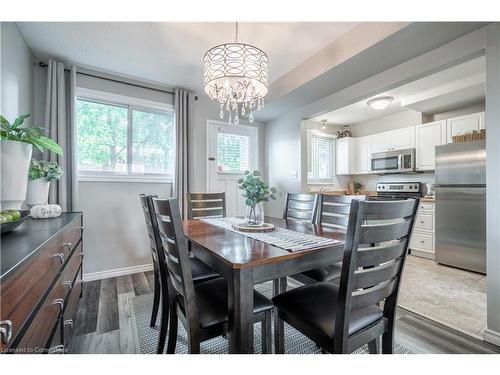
283	238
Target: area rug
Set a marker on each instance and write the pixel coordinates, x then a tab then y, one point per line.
295	342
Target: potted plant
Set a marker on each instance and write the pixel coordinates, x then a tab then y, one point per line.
40	174
255	192
16	150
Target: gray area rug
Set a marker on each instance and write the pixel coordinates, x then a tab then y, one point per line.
295	342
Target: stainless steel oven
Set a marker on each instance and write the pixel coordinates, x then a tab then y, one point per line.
399	161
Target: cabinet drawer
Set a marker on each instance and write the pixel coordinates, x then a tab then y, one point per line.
71	308
426	207
72	235
68	275
22	290
422	241
36	338
424	221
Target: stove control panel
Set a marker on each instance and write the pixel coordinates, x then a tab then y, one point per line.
398	187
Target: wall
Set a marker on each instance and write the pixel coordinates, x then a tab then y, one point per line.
397	120
17	74
472	108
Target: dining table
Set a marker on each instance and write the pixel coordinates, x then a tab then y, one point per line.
245	262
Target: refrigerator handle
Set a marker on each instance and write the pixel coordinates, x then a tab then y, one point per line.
400	161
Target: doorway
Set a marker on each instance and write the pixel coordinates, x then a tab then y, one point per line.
231	150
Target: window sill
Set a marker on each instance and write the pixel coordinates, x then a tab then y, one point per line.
133	179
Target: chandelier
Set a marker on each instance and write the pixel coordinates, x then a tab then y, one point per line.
236	74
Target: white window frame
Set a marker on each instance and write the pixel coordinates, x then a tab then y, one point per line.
132	104
319	181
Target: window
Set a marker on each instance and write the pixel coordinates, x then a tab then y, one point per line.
124	140
321	158
232	153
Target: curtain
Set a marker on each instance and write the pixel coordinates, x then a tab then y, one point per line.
180	187
59	119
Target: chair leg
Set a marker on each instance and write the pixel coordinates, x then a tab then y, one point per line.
156	299
172	332
279	286
267	342
164	321
388	342
373	347
194	344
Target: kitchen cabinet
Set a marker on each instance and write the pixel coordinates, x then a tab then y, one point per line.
428	137
399	139
422	240
345	157
464	124
362	155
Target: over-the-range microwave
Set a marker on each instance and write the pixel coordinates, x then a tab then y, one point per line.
398	161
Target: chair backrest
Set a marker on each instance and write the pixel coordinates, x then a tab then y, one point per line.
172	236
202	205
377	241
301	207
154	239
334	210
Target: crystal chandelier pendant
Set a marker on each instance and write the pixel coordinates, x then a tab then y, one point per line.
236	75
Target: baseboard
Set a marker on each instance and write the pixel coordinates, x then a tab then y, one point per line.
492	337
117	272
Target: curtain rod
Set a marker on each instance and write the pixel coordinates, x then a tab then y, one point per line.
43	64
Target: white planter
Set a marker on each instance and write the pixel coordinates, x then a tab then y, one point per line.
38	192
15	163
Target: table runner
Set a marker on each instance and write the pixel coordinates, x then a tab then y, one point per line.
283	238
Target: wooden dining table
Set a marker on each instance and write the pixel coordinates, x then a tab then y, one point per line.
244	262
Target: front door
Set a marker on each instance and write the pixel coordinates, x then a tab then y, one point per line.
232	149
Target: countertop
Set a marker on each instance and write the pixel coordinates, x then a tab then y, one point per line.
24	241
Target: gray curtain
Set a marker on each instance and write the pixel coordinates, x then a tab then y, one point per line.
180	187
59	119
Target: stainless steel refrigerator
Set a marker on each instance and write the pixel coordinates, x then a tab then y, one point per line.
460	228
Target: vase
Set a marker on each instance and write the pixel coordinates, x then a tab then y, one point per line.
254	215
15	164
38	192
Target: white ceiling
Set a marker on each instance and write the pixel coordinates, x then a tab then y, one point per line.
442	91
172	53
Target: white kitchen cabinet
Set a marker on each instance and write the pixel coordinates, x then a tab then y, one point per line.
399	139
422	240
362	155
428	137
464	124
345	156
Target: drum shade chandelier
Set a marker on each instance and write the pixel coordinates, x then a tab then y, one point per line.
236	75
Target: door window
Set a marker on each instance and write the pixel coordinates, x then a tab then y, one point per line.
232	153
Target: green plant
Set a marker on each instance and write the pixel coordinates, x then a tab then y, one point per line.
48	170
255	190
34	135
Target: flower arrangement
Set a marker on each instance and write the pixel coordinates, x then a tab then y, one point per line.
48	170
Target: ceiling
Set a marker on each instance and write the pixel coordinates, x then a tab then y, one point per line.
172	53
446	90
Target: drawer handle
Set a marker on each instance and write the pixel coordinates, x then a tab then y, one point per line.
82	227
69	322
68	245
60	256
60	302
69	284
58	349
81	254
421	221
422	241
5	331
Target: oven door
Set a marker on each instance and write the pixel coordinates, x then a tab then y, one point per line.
386	163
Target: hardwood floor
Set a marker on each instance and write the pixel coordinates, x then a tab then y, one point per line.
105	322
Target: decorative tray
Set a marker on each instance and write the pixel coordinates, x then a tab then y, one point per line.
244	227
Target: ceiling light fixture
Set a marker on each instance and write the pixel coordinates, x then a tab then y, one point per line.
236	75
380	103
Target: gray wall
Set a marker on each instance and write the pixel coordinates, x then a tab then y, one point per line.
17	74
398	120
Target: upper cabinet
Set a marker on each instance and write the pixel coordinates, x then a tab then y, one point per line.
428	137
345	157
362	155
399	139
464	124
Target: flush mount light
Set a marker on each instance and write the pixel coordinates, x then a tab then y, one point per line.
380	103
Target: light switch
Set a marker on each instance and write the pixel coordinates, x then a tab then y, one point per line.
293	174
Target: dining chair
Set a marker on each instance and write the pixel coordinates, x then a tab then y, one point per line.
342	317
201	205
301	207
333	211
200	271
201	308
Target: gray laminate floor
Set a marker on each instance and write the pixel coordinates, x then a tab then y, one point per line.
448	295
105	322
